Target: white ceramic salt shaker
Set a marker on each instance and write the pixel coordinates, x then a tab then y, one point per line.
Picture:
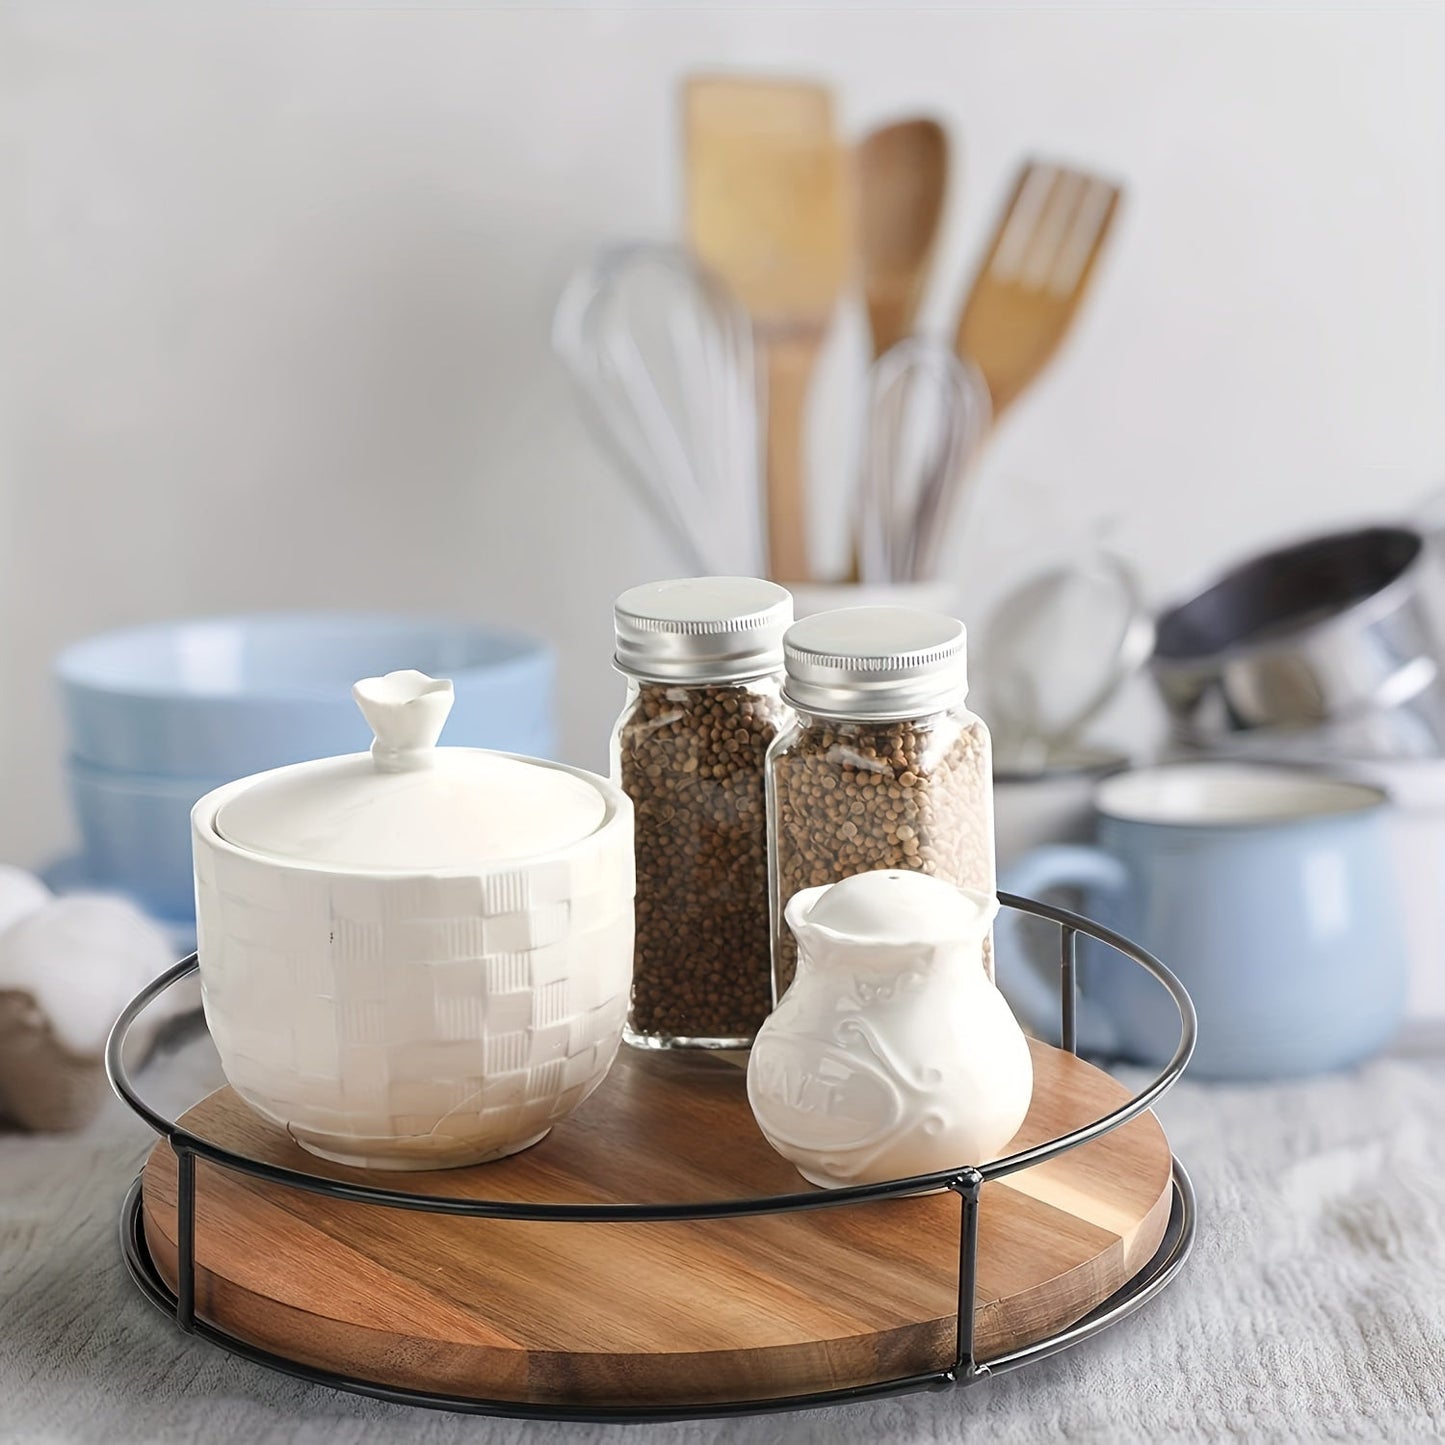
892	1054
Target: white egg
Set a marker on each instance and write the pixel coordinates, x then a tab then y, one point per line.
21	893
81	958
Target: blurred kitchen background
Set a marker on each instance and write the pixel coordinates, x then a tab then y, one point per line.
277	285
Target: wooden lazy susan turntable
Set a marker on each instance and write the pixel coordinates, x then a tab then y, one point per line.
652	1257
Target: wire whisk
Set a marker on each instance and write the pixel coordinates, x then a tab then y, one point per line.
662	355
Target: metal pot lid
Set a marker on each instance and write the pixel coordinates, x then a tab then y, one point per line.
408	805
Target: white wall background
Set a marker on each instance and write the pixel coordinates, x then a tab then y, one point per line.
275	285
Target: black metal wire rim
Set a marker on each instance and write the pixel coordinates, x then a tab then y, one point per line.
1071	924
1166	1263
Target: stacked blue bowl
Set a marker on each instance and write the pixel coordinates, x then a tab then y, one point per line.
159	715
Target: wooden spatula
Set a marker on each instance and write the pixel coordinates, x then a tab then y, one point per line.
767	209
1035	274
902	172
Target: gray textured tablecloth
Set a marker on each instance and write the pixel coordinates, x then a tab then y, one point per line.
1313	1307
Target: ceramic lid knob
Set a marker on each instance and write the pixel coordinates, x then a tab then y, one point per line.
406	711
408	805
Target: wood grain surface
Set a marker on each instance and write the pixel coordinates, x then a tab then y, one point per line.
620	1313
769	210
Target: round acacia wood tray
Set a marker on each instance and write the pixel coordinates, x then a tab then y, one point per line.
530	1286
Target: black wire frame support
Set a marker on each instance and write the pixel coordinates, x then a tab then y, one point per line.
1069	988
185	1237
967	1183
969	1188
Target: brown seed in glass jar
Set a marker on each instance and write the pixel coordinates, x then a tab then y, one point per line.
851	797
691	760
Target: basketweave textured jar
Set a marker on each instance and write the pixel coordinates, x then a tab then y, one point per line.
703	658
418	957
884	766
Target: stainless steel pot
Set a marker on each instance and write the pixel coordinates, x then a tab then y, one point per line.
1334	643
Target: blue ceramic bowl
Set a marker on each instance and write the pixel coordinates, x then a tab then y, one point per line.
219	698
136	836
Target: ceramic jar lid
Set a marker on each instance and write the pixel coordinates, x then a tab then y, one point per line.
408	805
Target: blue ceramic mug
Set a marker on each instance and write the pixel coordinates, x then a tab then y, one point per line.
1268	890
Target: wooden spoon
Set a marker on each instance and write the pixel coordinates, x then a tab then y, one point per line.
767	209
902	172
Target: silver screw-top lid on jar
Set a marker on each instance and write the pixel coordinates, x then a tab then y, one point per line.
702	629
881	663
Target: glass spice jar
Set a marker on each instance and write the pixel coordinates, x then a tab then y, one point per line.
883	765
703	660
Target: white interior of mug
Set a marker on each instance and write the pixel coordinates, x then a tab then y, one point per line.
1204	794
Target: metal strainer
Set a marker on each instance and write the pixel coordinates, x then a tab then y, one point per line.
1056	650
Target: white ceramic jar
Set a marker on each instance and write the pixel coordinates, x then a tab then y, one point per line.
419	957
892	1053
